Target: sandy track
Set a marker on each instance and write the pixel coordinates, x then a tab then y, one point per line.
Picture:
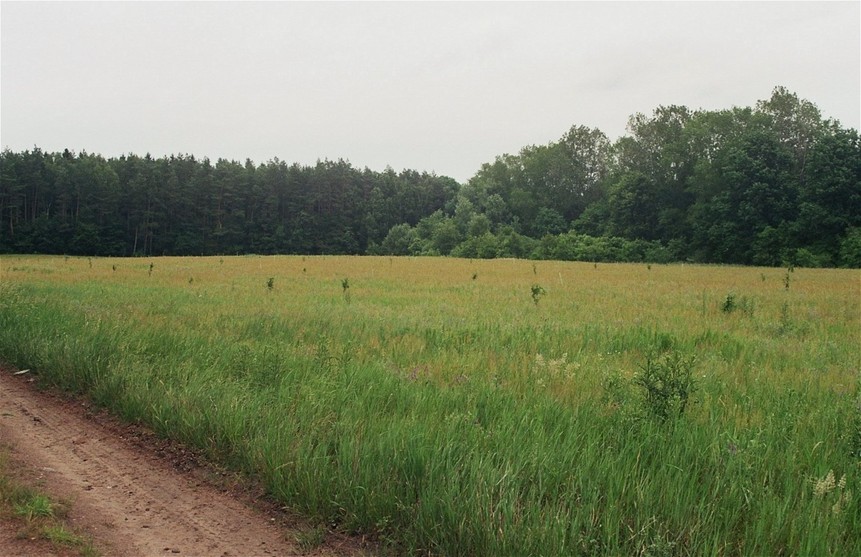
130	501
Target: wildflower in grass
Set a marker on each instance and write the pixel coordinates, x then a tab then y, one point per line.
553	368
828	484
825	485
844	499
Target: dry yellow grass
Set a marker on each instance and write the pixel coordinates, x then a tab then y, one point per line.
393	299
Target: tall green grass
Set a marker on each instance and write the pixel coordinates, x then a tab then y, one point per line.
452	416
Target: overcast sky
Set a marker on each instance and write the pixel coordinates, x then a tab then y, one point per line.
440	87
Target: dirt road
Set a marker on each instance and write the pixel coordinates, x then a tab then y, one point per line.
133	502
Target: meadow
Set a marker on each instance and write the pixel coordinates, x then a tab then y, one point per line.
490	407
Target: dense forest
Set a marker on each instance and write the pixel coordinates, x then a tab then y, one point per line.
774	184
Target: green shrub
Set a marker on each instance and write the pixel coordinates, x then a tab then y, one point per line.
729	304
667	385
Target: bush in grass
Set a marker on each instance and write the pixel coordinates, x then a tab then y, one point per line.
728	305
537	293
732	303
667	385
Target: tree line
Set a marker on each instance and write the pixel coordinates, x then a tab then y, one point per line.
773	184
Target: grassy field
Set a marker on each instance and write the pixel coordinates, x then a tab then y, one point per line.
501	407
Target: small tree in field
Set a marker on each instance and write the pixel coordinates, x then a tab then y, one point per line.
667	383
537	292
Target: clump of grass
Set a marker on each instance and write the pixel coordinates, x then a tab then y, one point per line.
38	515
614	389
855	427
310	539
786	325
270	284
60	536
34	506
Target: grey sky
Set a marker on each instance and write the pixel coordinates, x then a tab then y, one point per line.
434	86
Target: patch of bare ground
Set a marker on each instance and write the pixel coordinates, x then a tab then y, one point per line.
136	494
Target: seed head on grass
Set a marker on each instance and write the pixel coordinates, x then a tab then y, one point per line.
825	485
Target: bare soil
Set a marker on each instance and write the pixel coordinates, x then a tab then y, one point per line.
137	494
